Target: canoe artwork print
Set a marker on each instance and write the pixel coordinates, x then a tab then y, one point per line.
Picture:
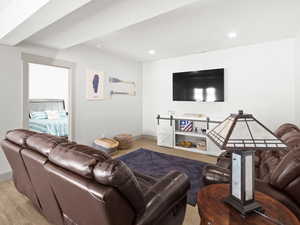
95	85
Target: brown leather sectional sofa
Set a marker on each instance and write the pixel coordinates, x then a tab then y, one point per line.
277	172
73	184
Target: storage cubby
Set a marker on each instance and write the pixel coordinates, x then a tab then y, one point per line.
173	132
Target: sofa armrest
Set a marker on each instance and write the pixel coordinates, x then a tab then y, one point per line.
215	175
163	197
224	162
225	154
279	195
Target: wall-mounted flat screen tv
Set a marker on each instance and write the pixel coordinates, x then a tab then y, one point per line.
199	86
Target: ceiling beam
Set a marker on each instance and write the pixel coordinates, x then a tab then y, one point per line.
17	12
23	18
116	16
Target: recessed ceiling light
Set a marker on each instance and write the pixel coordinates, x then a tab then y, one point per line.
152	52
232	35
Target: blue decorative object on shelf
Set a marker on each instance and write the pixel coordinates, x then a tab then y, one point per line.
186	125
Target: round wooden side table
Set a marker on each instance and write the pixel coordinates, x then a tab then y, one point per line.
213	211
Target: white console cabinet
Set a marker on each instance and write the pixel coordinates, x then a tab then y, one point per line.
165	135
170	134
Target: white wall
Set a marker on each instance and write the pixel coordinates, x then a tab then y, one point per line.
297	80
48	82
258	79
10	98
122	114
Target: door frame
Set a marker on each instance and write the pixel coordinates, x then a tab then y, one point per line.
36	59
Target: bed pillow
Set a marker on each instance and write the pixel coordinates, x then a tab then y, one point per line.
62	114
52	115
38	115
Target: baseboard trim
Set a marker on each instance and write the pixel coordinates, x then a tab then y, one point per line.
5	176
149	137
136	137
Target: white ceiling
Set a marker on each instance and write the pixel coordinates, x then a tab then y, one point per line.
102	17
171	27
204	27
22	18
4	4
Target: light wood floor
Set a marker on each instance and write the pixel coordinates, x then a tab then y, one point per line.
15	209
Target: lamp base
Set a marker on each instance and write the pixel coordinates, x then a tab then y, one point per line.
243	209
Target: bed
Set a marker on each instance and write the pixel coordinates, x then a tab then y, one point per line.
40	123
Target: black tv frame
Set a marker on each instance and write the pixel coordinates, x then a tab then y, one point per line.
210	72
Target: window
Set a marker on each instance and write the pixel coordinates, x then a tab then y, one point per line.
211	94
48	82
198	94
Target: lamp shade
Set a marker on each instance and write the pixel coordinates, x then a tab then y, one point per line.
242	135
244	132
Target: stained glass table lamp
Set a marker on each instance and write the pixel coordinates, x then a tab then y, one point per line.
242	135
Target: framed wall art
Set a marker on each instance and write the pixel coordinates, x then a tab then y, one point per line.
95	84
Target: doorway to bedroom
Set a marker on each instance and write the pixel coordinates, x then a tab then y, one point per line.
47	98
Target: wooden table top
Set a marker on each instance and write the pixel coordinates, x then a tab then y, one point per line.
213	210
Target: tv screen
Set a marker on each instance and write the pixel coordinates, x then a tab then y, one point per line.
200	86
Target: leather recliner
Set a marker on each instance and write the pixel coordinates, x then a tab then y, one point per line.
277	172
76	184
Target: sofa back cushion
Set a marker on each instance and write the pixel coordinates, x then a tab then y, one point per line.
268	160
19	136
44	143
286	176
292	139
115	173
79	159
286	128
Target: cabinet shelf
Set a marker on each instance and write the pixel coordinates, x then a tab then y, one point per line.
205	152
193	134
170	135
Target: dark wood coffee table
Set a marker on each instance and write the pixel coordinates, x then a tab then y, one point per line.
213	211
